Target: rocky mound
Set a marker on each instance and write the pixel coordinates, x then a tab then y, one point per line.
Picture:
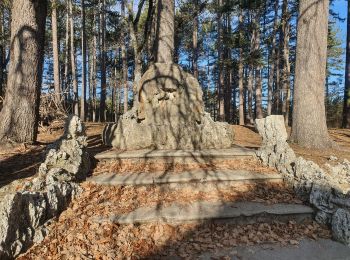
328	191
23	214
169	114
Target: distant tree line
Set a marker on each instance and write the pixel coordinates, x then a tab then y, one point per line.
244	53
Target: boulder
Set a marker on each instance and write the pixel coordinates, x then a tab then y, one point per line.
341	226
20	214
69	152
23	214
328	190
340	172
320	197
275	151
169	114
307	173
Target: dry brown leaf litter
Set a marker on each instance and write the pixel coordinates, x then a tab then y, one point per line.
76	234
126	166
105	200
88	240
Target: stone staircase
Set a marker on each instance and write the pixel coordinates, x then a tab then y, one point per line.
208	179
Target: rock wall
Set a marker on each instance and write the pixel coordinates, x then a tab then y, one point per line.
23	214
169	114
328	190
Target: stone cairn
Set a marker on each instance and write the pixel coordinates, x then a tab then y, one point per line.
168	114
328	190
23	214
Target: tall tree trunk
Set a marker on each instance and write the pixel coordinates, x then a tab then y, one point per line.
250	118
272	61
346	108
124	62
83	74
103	62
93	69
326	100
165	31
195	39
207	89
72	57
2	52
66	59
253	41
220	90
116	93
309	120
234	117
258	80
56	64
277	90
258	93
240	69
90	70
285	28
245	94
20	114
228	73
137	53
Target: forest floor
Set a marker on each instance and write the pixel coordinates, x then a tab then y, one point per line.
75	234
18	162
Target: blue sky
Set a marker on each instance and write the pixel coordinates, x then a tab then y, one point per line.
340	6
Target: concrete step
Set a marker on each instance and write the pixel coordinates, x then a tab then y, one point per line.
320	249
178	155
205	211
186	177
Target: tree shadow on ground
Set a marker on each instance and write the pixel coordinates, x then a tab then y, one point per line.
178	241
21	165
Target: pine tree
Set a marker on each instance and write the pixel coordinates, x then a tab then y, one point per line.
309	122
83	53
20	113
55	53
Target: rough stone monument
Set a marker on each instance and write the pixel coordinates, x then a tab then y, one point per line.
327	189
25	213
169	109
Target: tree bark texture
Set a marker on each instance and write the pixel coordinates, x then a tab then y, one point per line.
56	63
272	61
258	77
83	72
66	59
72	59
195	39
285	28
165	31
124	62
103	62
220	90
309	120
20	114
240	69
2	53
228	73
93	70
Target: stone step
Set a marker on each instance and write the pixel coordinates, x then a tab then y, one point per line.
178	155
185	177
205	211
